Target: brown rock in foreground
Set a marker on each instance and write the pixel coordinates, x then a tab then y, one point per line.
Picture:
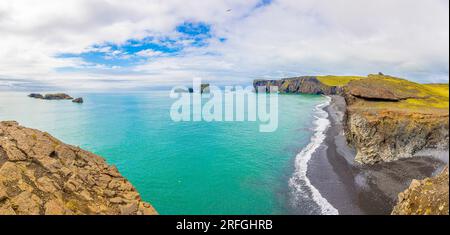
40	175
425	197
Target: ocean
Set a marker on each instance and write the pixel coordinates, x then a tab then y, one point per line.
190	167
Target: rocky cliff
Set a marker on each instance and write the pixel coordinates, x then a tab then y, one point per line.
387	118
41	175
390	118
306	85
425	197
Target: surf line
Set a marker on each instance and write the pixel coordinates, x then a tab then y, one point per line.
300	177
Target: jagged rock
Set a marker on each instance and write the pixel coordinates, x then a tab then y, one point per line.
129	209
385	136
78	100
41	175
54	207
425	197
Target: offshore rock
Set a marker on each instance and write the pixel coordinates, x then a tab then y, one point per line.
58	96
36	96
78	100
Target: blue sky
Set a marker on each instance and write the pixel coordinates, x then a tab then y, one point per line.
138	51
116	44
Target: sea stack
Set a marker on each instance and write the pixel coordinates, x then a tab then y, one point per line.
78	100
204	88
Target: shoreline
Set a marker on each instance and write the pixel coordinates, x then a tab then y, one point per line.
352	188
299	183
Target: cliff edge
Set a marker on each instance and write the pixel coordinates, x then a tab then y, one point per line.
390	118
40	175
387	118
306	84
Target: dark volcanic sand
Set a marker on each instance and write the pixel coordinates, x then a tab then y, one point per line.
355	189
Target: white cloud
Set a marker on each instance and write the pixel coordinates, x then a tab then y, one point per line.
148	53
408	38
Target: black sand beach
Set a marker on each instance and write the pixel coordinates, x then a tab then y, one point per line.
356	189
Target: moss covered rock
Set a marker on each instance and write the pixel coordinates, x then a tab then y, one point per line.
425	197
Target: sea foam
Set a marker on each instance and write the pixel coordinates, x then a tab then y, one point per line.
299	181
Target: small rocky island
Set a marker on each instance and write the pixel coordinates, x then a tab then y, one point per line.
78	100
56	96
204	89
40	175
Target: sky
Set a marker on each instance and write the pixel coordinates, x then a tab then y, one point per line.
116	44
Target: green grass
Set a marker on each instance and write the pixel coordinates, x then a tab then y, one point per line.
339	81
426	96
438	96
440	89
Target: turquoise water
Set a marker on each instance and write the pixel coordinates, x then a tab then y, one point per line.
181	168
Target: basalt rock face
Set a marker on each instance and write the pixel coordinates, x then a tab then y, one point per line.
425	197
41	175
387	118
305	85
383	123
385	136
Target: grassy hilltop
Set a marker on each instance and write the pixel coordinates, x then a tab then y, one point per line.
385	89
340	81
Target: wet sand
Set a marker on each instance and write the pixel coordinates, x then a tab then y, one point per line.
357	189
